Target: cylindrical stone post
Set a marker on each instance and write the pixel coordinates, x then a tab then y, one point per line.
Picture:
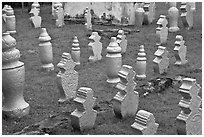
141	64
113	61
45	51
13	80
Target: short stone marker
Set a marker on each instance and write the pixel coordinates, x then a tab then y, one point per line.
141	63
45	51
95	47
186	15
67	78
59	17
36	20
84	116
189	121
161	61
113	61
180	51
125	102
149	15
122	41
173	14
162	30
75	52
145	123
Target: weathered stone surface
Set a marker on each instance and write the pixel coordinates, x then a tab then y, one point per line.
145	123
10	20
84	116
180	51
186	15
139	16
141	63
113	61
161	61
122	41
162	30
36	20
88	20
95	47
75	52
149	15
189	121
45	51
67	78
13	80
125	102
59	17
173	14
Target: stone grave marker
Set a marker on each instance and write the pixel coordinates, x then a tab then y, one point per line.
67	78
141	63
186	15
84	116
189	121
122	41
149	15
145	123
45	51
173	14
139	17
88	20
36	20
161	61
125	102
95	47
162	30
113	61
75	52
59	17
10	20
180	51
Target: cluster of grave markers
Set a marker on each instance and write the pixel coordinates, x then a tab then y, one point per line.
126	101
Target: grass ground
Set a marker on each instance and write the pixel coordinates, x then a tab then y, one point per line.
41	90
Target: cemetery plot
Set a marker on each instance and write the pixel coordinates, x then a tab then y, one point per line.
48	116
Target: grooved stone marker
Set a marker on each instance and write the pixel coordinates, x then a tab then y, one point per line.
161	61
149	15
180	51
173	14
122	41
13	80
186	15
141	63
162	30
84	116
75	52
189	121
125	102
36	20
113	61
95	47
45	50
145	123
67	78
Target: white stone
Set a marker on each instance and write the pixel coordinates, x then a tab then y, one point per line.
122	41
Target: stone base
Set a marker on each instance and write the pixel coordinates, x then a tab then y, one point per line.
17	113
173	29
48	67
140	77
113	81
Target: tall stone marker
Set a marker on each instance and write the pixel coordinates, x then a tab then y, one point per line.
122	41
162	30
173	14
180	51
75	52
189	121
36	20
84	116
67	78
125	102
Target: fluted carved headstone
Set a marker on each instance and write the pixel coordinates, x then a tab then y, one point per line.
13	80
